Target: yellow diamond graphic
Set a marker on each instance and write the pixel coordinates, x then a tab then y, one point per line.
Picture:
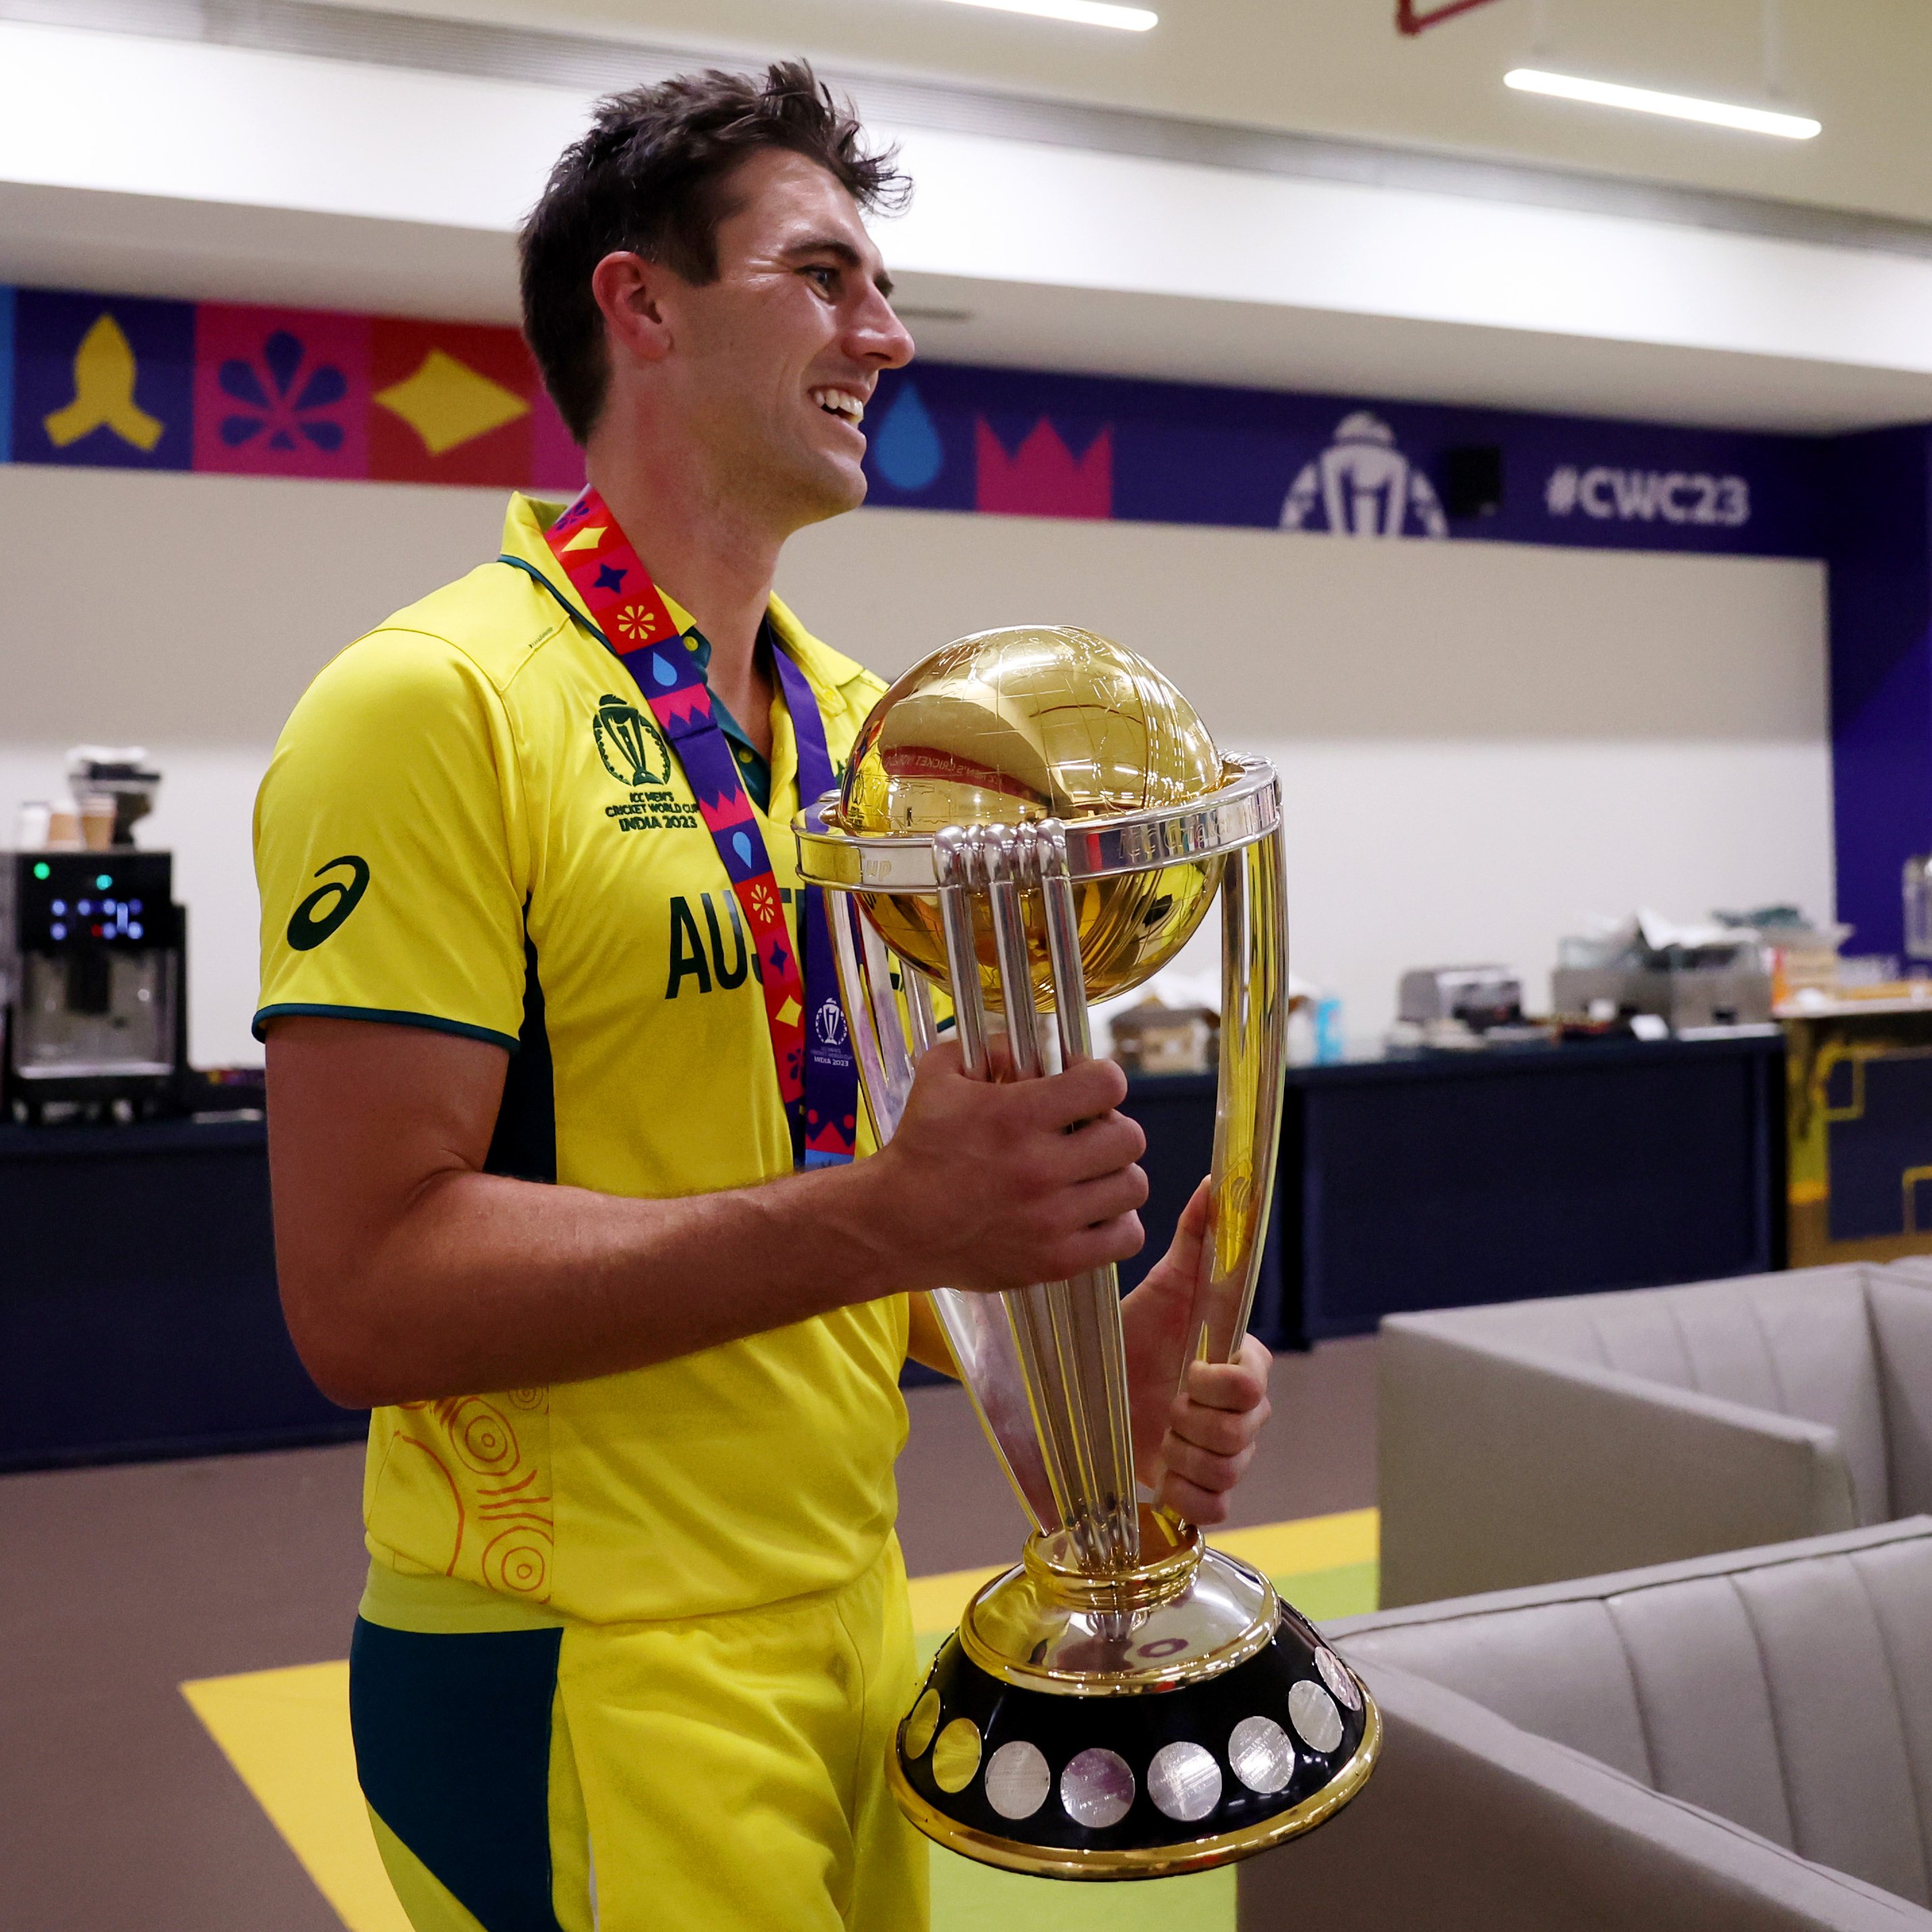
587	538
448	402
789	1013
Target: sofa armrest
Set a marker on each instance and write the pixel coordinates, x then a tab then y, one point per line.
1501	1467
1470	1825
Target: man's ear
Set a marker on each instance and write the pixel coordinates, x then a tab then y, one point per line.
629	292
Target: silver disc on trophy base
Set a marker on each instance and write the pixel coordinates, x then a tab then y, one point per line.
1032	818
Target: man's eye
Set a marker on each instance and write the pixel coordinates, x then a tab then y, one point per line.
826	278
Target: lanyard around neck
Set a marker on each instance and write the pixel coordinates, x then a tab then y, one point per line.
811	1046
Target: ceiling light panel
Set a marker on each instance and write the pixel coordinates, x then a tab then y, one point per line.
1082	12
1676	106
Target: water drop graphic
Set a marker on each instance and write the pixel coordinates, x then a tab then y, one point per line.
908	454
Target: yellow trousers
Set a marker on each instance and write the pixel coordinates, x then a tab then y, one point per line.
714	1773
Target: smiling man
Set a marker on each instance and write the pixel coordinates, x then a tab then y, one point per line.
563	1182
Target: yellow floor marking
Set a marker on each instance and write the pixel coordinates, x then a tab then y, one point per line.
1275	1549
286	1734
1315	1542
938	1602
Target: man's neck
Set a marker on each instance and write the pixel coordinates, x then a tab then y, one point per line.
710	555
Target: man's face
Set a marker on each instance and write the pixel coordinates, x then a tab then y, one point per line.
773	365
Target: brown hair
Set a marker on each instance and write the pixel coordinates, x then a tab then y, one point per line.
650	176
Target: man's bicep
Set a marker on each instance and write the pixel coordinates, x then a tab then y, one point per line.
362	1117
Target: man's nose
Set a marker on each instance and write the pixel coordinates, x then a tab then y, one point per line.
880	337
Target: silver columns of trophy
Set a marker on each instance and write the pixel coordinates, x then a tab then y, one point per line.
1032	818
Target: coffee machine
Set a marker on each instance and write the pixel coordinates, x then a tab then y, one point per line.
93	961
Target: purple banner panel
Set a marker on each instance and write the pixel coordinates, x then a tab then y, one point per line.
1881	615
100	379
1024	443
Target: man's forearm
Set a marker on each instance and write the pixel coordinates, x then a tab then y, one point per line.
487	1283
408	1273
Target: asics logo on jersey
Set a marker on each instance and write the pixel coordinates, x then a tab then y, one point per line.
328	905
633	750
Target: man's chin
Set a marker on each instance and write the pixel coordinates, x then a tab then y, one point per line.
830	490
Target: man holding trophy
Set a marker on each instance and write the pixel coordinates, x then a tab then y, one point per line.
564	1109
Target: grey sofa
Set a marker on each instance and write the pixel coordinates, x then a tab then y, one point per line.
1742	1743
1537	1440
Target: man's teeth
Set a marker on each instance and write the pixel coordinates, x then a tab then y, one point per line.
841	403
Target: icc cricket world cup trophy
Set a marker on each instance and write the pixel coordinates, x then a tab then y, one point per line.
1035	818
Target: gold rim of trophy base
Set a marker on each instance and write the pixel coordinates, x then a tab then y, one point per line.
1146	1860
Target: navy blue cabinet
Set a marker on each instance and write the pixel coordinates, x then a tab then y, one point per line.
138	1314
1448	1179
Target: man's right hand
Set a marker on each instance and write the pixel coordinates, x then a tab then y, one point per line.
992	1185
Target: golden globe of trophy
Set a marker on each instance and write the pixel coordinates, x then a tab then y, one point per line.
1033	818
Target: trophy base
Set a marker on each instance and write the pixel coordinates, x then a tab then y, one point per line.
1141	1740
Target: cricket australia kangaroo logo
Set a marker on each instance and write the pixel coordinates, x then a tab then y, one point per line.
633	749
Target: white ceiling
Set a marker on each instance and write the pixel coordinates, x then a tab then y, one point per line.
1338	68
222	172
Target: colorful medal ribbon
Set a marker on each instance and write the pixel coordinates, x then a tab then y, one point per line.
811	1045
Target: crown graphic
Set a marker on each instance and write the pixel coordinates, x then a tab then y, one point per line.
1043	477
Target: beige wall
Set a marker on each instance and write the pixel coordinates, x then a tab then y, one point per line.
1479	744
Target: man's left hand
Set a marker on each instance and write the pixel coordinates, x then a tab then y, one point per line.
1194	1439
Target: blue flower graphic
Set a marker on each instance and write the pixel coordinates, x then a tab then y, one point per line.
270	401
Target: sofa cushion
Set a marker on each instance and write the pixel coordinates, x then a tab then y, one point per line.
1471	1824
1789	1691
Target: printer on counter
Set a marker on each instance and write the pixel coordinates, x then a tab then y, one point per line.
1477	997
1692	977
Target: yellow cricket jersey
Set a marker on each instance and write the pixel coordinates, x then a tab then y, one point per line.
472	822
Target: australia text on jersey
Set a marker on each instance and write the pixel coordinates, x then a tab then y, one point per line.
699	950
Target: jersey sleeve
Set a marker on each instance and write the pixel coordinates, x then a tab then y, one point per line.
390	847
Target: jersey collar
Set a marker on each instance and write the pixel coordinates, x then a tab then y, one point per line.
528	517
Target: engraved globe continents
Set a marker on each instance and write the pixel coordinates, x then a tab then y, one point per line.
1013	726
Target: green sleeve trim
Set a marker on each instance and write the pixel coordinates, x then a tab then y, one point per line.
393	1016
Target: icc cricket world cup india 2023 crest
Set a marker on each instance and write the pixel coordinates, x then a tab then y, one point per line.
1033	818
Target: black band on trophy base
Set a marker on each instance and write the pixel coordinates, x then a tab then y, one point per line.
1066	1786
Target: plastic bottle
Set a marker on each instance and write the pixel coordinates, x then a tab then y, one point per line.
1330	1046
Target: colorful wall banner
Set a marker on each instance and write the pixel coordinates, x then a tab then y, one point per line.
235	390
238	390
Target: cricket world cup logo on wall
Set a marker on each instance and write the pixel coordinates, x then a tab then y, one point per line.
633	750
1361	485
